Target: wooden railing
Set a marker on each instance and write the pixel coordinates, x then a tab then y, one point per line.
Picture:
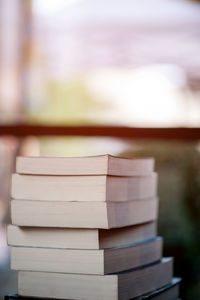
185	134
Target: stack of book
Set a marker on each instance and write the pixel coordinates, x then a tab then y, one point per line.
85	228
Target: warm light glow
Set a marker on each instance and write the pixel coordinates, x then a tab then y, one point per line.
48	7
148	96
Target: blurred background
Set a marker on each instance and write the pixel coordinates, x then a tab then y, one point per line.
106	63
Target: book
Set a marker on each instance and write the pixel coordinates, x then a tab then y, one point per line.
91	165
122	286
83	214
97	262
80	238
83	188
168	292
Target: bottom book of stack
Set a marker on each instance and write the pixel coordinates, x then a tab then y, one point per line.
124	285
168	292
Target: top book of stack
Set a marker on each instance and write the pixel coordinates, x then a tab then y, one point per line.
94	165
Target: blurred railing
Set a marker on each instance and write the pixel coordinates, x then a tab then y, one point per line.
175	133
